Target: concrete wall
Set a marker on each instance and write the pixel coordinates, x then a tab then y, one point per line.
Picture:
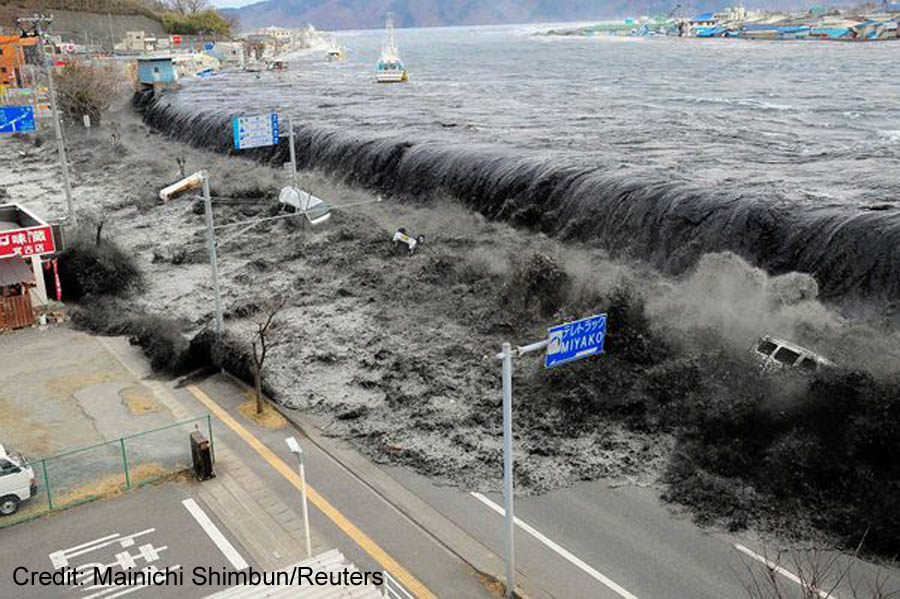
73	26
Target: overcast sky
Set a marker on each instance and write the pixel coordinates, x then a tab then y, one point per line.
231	3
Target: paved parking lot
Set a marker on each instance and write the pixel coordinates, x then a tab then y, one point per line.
157	527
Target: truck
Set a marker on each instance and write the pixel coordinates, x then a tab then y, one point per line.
17	482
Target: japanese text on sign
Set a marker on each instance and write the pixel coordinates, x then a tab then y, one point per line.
255	131
575	340
34	241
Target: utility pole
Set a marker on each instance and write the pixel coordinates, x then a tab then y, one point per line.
211	244
38	21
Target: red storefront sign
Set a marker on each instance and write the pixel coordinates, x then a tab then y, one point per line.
33	241
176	40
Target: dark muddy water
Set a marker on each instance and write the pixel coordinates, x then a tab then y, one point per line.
664	149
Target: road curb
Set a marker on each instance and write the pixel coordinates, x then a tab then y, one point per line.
445	532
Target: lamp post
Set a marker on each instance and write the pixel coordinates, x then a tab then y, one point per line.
298	452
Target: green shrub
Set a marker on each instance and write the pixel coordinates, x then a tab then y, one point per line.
91	268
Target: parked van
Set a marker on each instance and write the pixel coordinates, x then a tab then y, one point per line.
17	483
777	354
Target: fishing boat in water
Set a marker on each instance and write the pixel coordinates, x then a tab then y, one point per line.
335	51
390	68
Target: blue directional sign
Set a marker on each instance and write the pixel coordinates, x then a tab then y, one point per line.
255	131
17	119
575	340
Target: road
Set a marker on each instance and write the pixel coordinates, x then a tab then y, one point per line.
588	541
153	527
595	541
363	516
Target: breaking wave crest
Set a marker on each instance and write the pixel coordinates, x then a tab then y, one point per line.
852	252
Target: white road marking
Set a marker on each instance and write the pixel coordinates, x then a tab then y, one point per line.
786	573
564	553
215	534
61	558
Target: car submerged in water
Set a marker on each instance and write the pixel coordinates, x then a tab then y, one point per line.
775	355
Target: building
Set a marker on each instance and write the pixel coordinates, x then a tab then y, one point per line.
24	239
230	54
138	42
12	58
157	72
281	35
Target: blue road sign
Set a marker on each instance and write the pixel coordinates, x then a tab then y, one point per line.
17	119
575	340
255	131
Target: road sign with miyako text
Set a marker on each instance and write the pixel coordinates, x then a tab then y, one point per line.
575	340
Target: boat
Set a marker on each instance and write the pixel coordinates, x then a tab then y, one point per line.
390	68
335	51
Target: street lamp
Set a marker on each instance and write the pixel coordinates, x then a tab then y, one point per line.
298	452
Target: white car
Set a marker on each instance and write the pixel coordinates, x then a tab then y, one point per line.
17	483
299	200
776	354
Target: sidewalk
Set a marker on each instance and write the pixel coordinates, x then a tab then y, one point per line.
270	531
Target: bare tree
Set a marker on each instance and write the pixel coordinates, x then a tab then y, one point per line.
813	573
85	89
188	7
267	335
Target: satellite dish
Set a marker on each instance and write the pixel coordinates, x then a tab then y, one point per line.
315	209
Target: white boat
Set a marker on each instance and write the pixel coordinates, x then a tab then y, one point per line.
335	51
390	68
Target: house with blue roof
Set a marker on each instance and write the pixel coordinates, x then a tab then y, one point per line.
707	19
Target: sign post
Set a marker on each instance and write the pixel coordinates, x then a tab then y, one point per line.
38	21
293	152
565	343
211	245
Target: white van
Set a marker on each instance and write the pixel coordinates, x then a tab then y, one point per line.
776	354
17	482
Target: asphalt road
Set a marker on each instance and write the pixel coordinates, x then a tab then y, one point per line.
442	572
150	527
595	541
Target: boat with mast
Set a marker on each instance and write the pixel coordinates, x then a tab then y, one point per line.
390	68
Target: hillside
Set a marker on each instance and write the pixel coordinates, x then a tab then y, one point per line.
363	14
86	20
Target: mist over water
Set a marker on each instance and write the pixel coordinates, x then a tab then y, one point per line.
663	149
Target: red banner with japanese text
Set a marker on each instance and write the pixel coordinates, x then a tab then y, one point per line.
33	241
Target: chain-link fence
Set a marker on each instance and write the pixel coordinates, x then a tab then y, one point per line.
88	473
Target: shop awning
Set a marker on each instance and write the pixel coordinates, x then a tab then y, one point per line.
15	270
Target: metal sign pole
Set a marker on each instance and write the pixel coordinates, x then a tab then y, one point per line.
305	509
211	243
60	143
508	471
293	153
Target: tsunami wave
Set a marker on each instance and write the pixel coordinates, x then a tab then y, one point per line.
853	252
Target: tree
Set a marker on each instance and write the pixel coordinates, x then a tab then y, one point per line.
813	573
266	337
85	89
205	21
188	7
